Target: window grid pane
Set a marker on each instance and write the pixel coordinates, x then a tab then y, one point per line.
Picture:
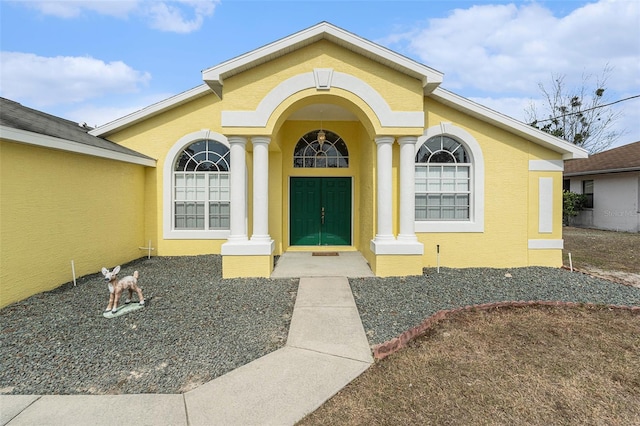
201	187
332	154
219	215
442	192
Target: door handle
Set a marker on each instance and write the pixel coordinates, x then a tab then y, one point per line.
322	217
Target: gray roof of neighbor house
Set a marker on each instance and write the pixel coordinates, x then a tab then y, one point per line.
624	158
16	116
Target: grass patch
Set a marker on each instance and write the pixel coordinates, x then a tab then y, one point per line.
531	366
606	250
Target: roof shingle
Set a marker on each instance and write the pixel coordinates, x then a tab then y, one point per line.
623	158
17	116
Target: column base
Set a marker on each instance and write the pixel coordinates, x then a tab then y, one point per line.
396	247
247	248
397	265
247	266
247	259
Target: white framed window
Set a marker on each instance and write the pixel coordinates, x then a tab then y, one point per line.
449	181
201	195
197	188
443	180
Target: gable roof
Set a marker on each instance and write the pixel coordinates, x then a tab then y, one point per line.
26	125
430	78
215	76
624	158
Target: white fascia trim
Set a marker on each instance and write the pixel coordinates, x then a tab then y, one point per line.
151	110
476	224
300	82
568	150
214	76
602	172
546	244
546	165
45	141
167	190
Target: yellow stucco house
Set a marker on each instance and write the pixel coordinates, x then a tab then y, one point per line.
319	141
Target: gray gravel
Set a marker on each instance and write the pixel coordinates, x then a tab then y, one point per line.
199	326
389	307
196	328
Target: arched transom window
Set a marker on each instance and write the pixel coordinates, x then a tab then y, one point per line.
443	180
311	153
201	187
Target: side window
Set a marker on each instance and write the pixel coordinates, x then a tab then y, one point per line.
201	196
587	190
443	184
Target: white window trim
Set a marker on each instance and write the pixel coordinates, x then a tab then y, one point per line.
167	190
476	203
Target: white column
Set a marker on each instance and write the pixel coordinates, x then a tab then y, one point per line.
407	188
260	188
238	185
385	188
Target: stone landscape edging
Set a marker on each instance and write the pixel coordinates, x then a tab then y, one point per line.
392	346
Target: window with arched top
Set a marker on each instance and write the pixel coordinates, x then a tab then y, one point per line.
201	196
443	180
310	152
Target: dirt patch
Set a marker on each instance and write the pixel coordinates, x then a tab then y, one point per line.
593	249
626	278
514	366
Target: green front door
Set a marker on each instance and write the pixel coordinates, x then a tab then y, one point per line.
320	211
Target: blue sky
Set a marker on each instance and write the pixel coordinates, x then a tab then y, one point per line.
95	61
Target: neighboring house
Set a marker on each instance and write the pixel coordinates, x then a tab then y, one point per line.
326	141
611	182
64	196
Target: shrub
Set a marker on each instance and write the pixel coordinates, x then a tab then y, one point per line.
572	204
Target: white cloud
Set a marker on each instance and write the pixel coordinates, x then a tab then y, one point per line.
98	115
73	8
170	17
509	48
513	107
64	79
180	16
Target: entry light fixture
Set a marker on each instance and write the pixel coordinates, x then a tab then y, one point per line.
322	137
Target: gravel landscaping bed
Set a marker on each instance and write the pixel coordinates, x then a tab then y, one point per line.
199	326
196	328
390	306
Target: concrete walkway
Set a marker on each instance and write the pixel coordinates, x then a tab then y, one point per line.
349	264
326	349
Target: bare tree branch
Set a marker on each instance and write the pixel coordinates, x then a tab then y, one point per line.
580	116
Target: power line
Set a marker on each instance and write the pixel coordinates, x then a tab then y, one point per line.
588	109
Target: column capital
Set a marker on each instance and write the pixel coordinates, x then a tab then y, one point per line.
239	140
402	140
260	139
384	139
